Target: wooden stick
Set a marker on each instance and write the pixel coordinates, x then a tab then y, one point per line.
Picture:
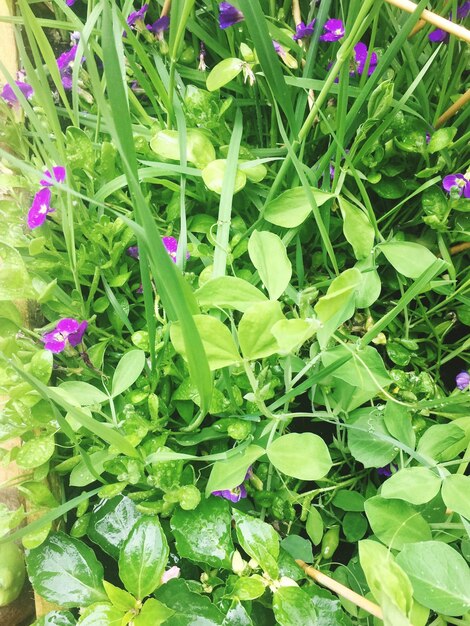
452	110
296	12
166	8
341	590
433	18
459	247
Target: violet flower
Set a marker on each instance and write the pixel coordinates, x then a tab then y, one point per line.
159	26
463	10
40	208
279	49
387	470
360	58
462	380
171	246
438	35
57	175
10	96
304	30
237	493
133	251
70	3
457	180
334	30
137	15
229	15
65	64
68	330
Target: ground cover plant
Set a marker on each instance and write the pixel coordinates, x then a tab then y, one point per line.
243	234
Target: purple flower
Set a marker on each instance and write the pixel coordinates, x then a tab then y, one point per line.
334	30
462	380
304	30
229	15
428	137
387	470
65	64
171	246
360	58
463	11
10	96
438	35
40	208
160	25
133	251
67	330
279	49
70	3
457	180
58	174
234	495
137	15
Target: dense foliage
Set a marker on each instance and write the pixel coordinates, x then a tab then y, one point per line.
244	239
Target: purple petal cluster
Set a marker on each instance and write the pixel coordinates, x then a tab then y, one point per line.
70	3
137	15
10	96
461	182
437	35
279	49
462	380
229	15
65	64
41	205
387	470
57	175
170	244
160	25
333	30
303	31
360	57
68	330
133	251
237	493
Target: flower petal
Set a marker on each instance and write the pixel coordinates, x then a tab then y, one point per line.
67	325
58	174
40	208
76	337
229	15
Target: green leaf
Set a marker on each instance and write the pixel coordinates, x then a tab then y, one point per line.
349	500
127	371
191	608
259	540
397	419
291	334
304	456
153	613
298	548
81	474
442	442
15	282
455	493
213	176
231	473
396	522
408	258
365	441
338	304
204	534
417	485
254	330
386	579
35	452
247	588
441	139
327	606
143	557
81	393
120	598
292	207
199	149
439	575
101	614
237	616
217	340
223	73
292	606
56	618
111	522
80	153
269	256
380	100
229	292
357	229
354	526
314	525
369	290
65	571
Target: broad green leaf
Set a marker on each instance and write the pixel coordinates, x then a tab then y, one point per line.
191	608
254	330
217	340
338	304
269	256
65	571
254	172
12	573
304	456
204	534
380	100
56	618
370	287
120	598
213	176
35	452
199	149
101	614
357	229
298	548
327	606
229	292
456	494
237	615
223	73
80	154
259	540
81	393
354	526
417	485
439	575
408	258
153	613
247	588
314	525
143	557
127	371
111	522
349	500
441	139
385	577
397	419
15	282
292	333
292	606
292	207
364	439
231	473
81	475
396	522
442	442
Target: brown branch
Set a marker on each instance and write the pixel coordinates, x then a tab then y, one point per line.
166	8
459	247
341	590
296	14
452	110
